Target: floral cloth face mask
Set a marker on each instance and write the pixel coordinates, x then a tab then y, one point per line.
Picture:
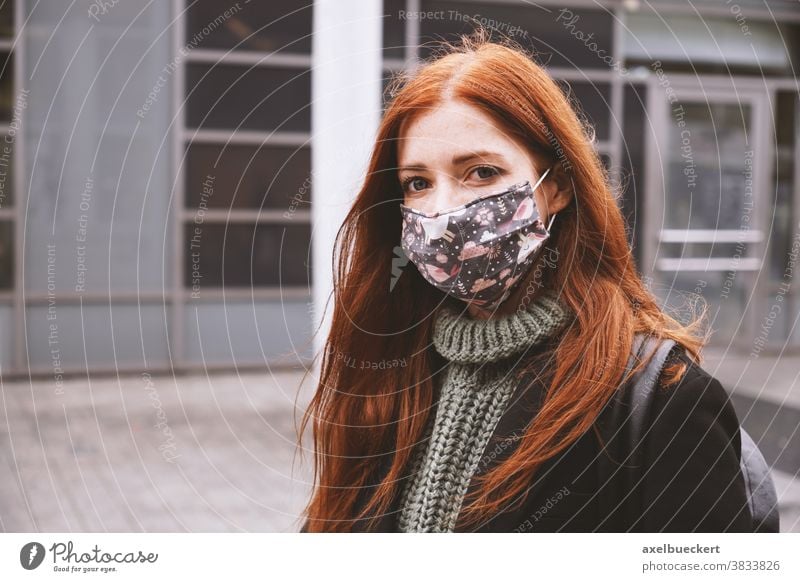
478	251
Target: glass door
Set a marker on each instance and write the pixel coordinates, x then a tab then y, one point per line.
705	239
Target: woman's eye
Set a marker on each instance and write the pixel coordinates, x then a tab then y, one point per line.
484	172
414	184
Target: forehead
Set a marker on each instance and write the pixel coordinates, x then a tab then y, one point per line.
453	126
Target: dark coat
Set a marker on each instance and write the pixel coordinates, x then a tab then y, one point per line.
691	455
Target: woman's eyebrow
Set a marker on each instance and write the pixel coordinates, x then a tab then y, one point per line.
457	160
464	158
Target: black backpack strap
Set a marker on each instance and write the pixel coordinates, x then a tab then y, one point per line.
645	384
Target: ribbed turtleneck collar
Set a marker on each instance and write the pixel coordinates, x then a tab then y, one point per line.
466	340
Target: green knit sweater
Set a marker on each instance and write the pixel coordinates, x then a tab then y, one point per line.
476	386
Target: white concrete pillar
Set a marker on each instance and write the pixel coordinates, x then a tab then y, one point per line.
346	109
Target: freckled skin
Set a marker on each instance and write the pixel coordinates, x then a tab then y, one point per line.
457	128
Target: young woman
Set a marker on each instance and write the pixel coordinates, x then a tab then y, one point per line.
465	392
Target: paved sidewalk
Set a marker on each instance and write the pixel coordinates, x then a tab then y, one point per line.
195	453
162	454
788	488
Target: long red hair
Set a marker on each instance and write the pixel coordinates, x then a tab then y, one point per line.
376	391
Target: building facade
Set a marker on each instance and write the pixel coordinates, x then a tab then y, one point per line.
156	184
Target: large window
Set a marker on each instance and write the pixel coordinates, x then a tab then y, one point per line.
247	186
244	180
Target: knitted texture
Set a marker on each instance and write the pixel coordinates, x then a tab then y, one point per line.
476	386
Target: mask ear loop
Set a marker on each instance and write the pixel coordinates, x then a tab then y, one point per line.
552	218
539	181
